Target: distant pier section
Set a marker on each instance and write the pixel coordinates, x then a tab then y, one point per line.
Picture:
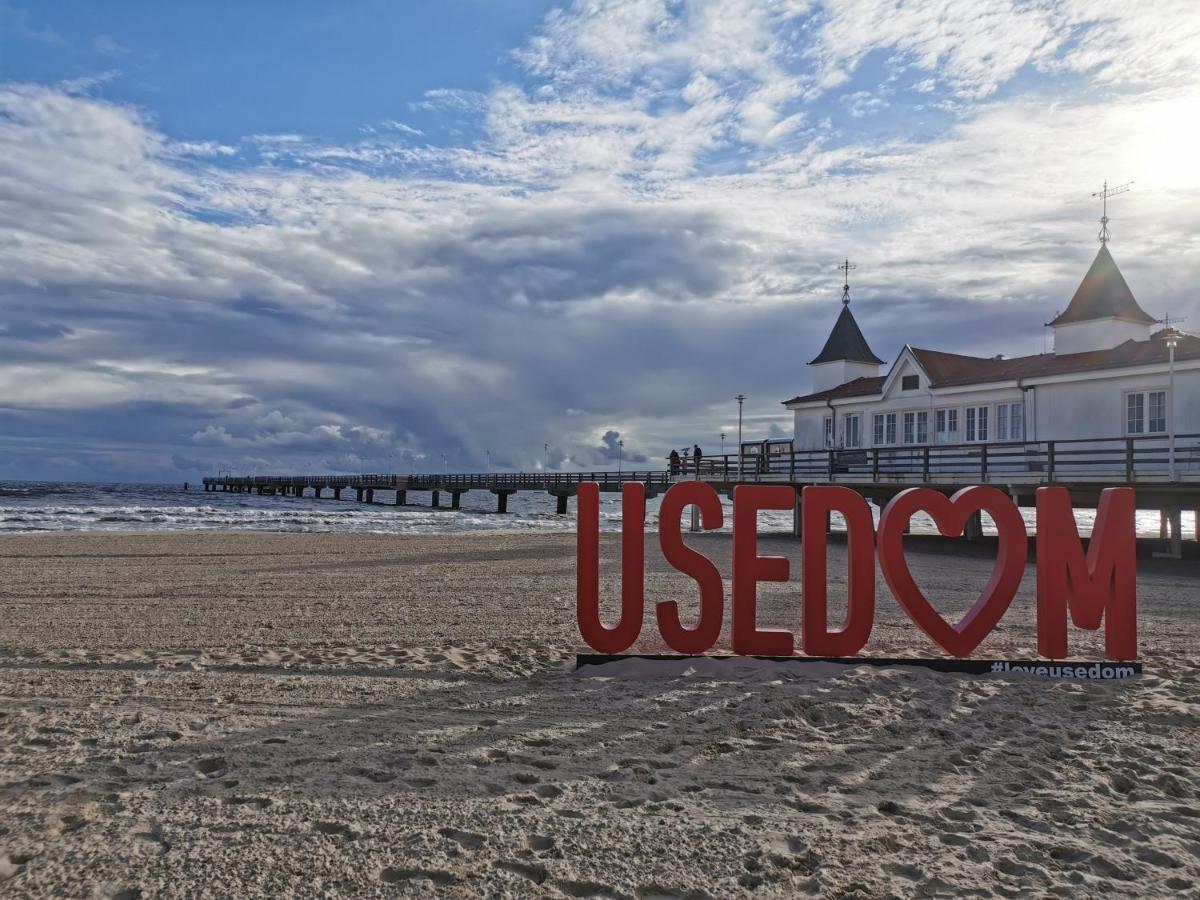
561	485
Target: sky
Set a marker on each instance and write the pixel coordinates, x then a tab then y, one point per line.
405	237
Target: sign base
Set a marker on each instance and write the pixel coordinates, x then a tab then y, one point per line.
1084	670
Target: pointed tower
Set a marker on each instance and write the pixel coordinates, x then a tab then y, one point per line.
1103	313
846	355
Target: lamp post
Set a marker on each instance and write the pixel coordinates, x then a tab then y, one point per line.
620	454
1172	343
722	443
740	398
546	448
489	460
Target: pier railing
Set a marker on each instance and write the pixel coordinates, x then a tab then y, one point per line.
1125	459
516	481
1141	458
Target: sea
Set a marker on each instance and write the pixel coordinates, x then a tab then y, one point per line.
40	506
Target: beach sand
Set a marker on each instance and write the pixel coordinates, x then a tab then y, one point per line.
234	715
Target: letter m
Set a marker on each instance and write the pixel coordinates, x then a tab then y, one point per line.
1100	585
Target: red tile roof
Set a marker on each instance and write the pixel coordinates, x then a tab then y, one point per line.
955	369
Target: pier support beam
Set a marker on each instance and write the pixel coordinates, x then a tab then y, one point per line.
561	506
358	494
370	495
401	497
973	531
435	500
337	493
1171	520
456	499
502	500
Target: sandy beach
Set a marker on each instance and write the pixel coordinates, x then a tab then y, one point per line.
223	714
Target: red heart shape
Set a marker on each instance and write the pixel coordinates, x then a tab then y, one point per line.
950	515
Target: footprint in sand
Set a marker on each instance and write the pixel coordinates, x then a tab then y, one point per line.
530	871
253	802
212	767
539	843
336	829
547	791
13	864
585	889
467	839
392	875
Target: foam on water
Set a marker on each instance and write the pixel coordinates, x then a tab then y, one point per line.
27	507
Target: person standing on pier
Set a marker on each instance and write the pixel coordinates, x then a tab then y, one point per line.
696	455
673	460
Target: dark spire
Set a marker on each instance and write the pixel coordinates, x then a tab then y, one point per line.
846	341
1103	294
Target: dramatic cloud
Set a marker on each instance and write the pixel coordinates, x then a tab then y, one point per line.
608	246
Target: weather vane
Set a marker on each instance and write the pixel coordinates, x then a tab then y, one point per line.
845	269
1104	194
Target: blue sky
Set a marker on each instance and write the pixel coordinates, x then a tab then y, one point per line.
279	236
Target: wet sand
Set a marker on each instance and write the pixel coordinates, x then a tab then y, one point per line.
371	715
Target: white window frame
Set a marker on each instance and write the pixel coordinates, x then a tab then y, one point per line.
856	418
922	426
1016	420
915	421
1144	420
889	420
827	431
972	420
952	437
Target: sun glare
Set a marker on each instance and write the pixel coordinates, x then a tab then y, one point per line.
1170	145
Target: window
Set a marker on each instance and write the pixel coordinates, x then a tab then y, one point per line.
1156	403
885	429
1146	413
977	423
916	427
829	431
910	382
1008	421
853	428
1016	421
946	425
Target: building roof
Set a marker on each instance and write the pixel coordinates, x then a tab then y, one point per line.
859	387
955	369
1103	294
846	341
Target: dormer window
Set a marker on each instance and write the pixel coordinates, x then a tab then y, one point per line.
910	382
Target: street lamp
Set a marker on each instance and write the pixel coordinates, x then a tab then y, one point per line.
620	454
1172	343
489	460
740	398
722	443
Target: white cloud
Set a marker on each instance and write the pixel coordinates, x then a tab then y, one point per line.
648	226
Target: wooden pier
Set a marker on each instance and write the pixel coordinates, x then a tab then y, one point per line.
1165	473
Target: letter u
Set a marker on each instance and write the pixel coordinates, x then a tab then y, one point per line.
621	636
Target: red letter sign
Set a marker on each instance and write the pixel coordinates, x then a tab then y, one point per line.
587	603
1103	585
816	504
749	568
950	515
712	593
